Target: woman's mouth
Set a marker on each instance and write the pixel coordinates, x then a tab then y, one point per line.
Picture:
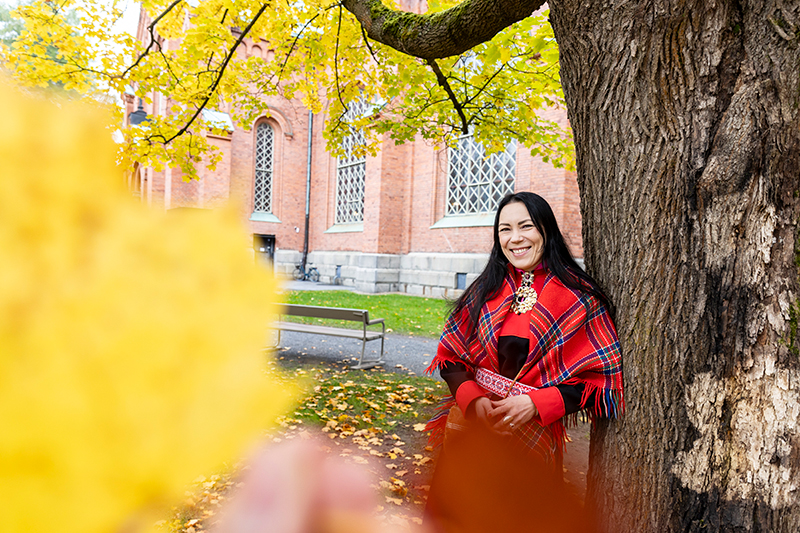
517	252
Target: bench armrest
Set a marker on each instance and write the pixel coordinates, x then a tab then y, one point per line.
377	321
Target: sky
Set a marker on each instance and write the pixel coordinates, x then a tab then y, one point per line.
131	17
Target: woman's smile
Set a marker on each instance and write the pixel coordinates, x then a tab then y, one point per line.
520	251
521	242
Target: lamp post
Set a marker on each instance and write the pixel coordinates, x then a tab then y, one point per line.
138	116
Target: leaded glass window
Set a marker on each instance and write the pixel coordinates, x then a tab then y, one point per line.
265	148
350	171
477	183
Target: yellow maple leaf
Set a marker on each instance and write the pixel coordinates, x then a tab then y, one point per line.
125	333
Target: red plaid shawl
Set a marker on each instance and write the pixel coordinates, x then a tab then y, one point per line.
572	340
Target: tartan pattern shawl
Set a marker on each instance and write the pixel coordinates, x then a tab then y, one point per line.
572	340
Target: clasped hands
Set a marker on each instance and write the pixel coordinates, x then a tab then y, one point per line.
506	415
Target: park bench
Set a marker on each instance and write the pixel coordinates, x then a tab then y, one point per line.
336	313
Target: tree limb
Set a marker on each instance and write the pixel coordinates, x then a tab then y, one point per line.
336	60
366	42
213	87
152	31
442	80
439	35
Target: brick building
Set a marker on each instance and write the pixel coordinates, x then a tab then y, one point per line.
415	218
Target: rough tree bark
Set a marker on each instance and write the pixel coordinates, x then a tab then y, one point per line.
687	132
686	115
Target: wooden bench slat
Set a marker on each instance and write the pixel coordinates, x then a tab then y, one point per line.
336	313
327	330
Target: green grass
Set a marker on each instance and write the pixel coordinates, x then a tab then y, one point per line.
352	400
406	315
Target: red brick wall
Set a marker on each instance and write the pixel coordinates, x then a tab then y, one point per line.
184	193
429	195
216	184
389	220
288	175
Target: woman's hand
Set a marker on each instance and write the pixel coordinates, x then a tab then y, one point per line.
510	413
479	410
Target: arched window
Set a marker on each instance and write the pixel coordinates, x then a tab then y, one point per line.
265	149
350	172
475	183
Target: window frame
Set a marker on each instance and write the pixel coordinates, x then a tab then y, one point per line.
263	209
353	168
495	177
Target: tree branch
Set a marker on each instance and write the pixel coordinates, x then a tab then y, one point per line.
336	61
443	83
151	29
439	35
483	87
222	68
294	43
366	42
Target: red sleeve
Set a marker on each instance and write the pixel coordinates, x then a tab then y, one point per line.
468	392
549	403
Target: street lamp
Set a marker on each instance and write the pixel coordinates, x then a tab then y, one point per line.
138	116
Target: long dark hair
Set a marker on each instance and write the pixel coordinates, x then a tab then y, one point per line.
556	256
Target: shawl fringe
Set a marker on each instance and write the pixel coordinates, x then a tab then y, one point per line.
436	364
608	403
436	425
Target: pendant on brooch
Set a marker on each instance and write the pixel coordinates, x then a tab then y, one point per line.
525	297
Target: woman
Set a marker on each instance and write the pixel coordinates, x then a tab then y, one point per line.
528	343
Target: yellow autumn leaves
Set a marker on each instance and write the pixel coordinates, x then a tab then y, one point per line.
129	339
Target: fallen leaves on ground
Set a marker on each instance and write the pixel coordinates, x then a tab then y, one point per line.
371	418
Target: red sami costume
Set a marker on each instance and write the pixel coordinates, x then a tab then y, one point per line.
564	353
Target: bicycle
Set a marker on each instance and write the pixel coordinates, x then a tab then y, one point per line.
310	274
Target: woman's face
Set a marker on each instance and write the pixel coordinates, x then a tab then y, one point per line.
521	242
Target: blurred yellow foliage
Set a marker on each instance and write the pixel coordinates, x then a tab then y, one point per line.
129	339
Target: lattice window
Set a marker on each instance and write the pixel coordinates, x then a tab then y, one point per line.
350	171
265	148
476	184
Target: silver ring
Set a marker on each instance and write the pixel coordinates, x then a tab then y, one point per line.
507	420
511	425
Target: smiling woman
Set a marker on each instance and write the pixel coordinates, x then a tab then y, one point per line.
521	241
529	343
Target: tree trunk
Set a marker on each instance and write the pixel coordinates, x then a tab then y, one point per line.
687	130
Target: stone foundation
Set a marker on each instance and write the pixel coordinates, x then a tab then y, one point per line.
423	274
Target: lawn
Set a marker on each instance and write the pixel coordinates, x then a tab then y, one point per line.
369	417
406	315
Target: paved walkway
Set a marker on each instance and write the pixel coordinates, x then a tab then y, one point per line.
401	353
294	285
